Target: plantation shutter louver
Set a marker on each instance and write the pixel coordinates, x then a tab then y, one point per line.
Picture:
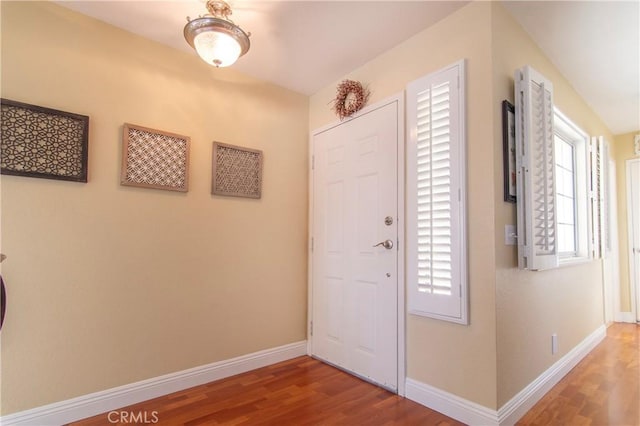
535	164
436	194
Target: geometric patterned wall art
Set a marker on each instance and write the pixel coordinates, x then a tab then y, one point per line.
236	171
154	159
43	142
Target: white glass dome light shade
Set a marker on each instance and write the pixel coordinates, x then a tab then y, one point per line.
217	49
217	41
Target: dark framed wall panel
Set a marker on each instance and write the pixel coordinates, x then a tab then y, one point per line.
42	142
509	151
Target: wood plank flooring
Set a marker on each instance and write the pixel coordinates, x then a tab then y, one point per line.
301	391
604	389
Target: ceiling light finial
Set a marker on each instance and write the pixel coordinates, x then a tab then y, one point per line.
219	9
215	37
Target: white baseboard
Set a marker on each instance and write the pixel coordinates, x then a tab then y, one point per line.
472	413
625	317
449	404
524	400
122	396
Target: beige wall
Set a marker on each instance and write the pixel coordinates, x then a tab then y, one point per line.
456	358
623	145
108	285
513	312
531	306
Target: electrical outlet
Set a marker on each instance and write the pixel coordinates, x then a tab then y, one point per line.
554	343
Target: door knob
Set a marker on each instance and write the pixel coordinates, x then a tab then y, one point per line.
388	244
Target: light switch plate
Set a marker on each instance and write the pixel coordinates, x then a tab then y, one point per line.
510	235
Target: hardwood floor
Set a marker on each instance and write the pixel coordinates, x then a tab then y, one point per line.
604	389
301	391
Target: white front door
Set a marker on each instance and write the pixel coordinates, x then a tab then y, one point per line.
355	237
633	182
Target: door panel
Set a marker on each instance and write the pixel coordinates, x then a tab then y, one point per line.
611	258
354	284
634	229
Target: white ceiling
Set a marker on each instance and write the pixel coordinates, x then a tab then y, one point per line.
596	46
305	45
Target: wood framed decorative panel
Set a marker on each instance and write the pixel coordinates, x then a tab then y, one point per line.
154	159
237	171
43	142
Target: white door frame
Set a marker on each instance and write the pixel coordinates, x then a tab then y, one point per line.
612	257
633	285
399	100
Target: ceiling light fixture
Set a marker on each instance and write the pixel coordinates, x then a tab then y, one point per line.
215	37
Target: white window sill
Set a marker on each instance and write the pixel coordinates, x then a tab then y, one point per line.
572	261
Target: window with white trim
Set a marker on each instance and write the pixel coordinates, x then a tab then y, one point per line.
436	191
572	189
554	214
566	193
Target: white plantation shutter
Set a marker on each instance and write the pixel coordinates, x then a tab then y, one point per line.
535	165
436	244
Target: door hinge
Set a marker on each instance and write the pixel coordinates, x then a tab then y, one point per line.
312	243
313	162
311	328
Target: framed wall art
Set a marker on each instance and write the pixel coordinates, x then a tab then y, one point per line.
43	142
236	171
154	159
509	151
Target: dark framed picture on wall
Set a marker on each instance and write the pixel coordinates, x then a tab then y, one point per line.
43	142
509	150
